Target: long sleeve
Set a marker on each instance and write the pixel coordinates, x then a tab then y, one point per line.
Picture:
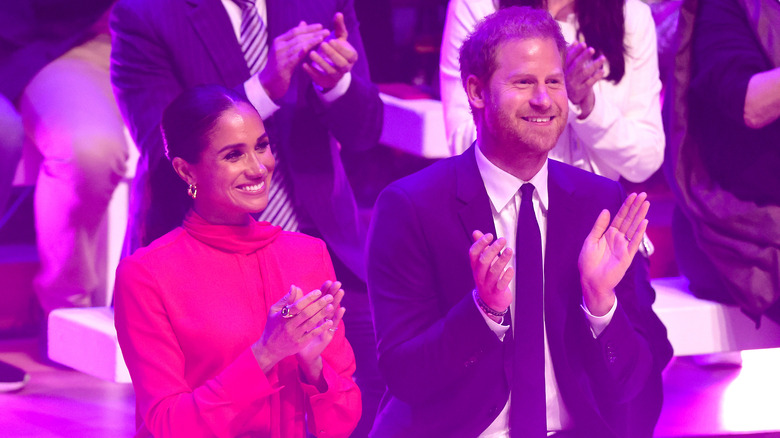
725	55
462	18
624	134
143	76
354	119
334	413
169	405
187	315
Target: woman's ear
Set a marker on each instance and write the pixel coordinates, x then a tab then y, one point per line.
475	91
184	170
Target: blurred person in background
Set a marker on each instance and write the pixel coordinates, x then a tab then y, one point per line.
724	155
54	69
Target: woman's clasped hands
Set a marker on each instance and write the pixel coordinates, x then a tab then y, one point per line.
583	70
301	325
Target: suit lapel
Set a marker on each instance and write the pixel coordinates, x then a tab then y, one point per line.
475	212
564	242
218	38
561	247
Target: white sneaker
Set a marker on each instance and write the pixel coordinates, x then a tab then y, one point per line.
12	378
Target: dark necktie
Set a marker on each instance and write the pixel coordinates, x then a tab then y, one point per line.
253	40
528	411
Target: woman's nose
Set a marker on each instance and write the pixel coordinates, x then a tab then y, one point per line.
255	167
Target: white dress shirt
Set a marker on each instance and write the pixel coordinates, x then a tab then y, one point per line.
503	189
252	87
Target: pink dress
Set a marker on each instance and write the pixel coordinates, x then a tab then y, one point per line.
188	308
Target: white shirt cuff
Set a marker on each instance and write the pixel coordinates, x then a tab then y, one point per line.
259	98
598	323
339	90
497	328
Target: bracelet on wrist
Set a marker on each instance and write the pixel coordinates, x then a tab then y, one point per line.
489	310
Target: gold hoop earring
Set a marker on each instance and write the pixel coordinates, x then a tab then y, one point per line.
192	191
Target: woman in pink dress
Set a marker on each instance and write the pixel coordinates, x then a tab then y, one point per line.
229	326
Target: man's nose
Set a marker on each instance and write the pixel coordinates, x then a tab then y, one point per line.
541	97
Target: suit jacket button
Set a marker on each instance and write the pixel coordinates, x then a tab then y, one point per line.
611	356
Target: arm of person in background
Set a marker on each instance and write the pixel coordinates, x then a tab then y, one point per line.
11	144
733	75
143	78
285	55
355	117
762	100
462	17
628	136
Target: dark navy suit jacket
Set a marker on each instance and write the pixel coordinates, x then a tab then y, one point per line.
447	372
161	47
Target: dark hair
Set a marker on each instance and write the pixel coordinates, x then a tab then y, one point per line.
478	53
191	117
601	22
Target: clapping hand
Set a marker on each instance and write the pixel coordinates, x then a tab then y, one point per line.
312	351
608	251
491	270
293	323
582	72
286	53
333	58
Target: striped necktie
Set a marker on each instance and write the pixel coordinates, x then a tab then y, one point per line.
254	45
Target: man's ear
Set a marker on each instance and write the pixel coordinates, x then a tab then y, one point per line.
184	170
475	92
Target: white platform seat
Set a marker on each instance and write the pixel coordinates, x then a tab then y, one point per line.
697	326
415	126
85	340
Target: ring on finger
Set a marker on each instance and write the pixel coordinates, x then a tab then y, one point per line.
333	329
286	313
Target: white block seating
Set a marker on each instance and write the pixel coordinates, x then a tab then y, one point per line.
698	326
415	126
85	340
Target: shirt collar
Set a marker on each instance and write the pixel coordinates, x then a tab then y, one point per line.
501	186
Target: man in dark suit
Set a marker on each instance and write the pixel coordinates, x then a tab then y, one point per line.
467	347
311	86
